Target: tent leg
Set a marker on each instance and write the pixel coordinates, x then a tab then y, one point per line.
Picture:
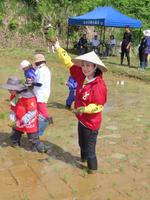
104	35
105	50
101	32
140	35
68	37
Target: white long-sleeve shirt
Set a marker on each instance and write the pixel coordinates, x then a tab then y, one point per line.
43	76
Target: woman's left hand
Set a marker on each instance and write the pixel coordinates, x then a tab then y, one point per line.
79	110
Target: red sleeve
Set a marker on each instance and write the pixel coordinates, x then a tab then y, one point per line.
77	74
12	107
100	93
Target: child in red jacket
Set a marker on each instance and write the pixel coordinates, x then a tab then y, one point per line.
24	114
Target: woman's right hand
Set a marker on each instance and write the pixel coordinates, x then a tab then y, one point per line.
56	44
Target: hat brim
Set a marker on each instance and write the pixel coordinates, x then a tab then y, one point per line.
92	58
42	60
80	63
12	87
23	67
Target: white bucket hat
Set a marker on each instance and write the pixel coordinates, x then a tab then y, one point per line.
13	83
146	32
24	64
91	57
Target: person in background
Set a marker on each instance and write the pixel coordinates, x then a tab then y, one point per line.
72	85
147	50
95	44
91	95
82	45
24	114
144	49
42	92
126	45
45	30
112	45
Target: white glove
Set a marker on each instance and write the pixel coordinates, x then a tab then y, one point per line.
12	117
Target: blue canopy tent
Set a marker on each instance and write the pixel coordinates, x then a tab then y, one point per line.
105	17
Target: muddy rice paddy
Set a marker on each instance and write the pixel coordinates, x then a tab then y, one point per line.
122	148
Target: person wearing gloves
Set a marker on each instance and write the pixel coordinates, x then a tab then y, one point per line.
42	89
24	114
91	95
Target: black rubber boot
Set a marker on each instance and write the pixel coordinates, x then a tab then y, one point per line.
83	157
128	60
92	165
16	138
121	62
50	120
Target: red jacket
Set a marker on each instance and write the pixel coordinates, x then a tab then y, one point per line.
13	102
26	104
93	92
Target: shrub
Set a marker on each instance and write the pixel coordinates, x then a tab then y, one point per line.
12	25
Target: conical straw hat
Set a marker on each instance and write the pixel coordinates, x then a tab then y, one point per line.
91	57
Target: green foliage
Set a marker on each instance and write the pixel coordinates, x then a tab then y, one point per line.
3	115
13	25
32	26
31	15
1	6
1	20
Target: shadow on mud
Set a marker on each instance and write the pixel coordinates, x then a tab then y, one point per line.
4	139
56	105
123	65
58	153
54	151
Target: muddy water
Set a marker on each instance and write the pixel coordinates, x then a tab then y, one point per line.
122	149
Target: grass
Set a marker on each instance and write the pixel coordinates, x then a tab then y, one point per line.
3	115
64	178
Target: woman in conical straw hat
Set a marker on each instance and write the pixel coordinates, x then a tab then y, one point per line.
91	95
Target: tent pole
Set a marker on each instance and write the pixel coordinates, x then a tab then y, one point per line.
101	34
68	37
103	42
104	35
101	31
140	35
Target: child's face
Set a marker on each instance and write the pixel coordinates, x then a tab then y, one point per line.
26	68
12	92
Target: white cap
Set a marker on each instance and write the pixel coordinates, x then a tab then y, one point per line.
146	32
24	64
